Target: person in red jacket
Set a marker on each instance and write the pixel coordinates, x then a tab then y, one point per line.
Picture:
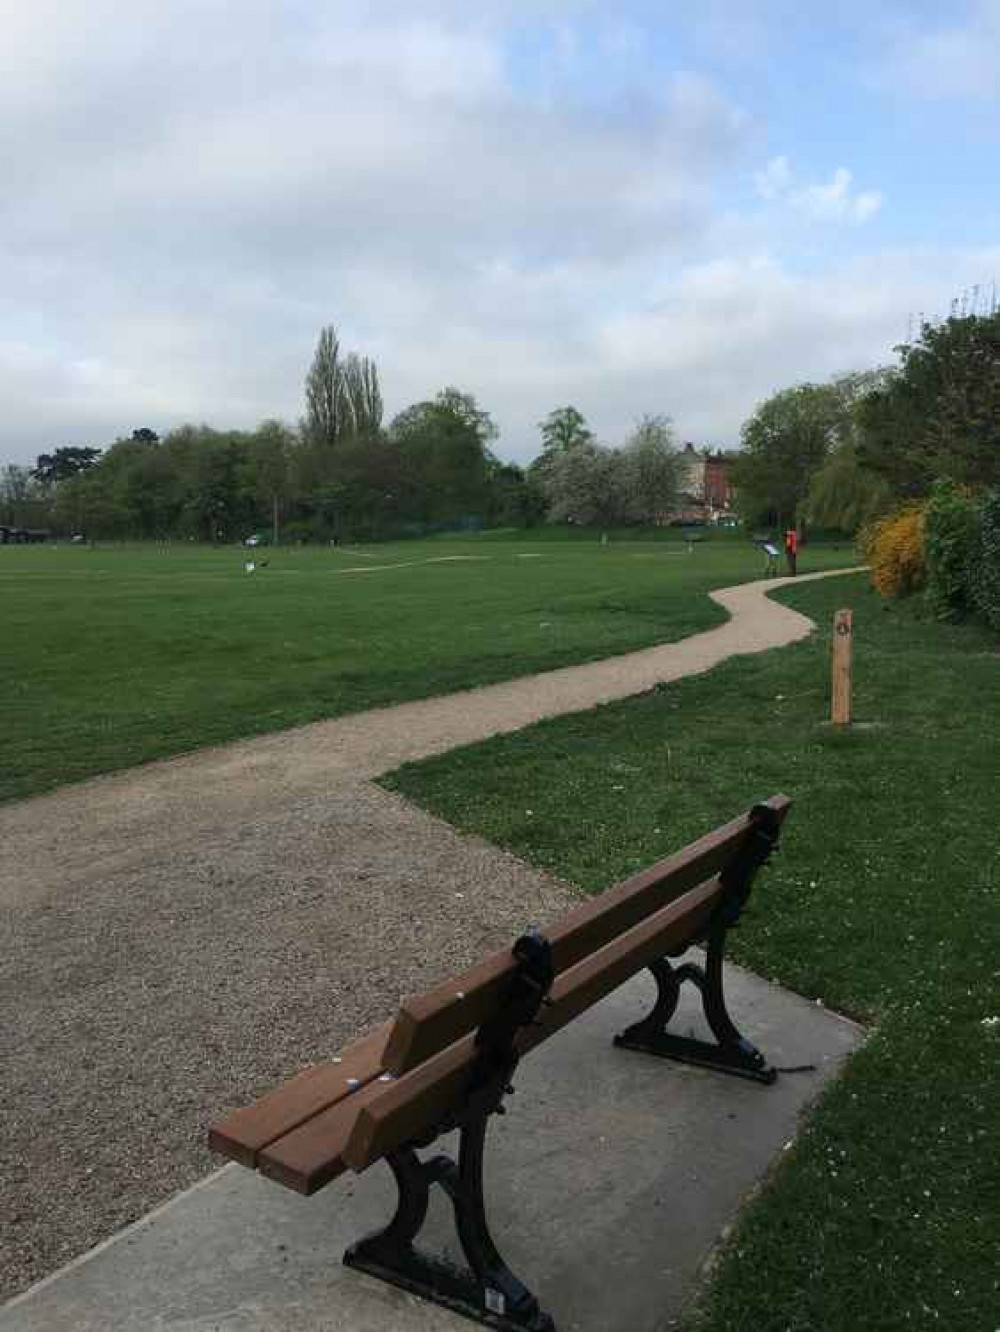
791	549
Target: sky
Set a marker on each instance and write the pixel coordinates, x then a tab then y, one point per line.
639	208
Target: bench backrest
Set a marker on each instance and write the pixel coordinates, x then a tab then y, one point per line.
429	1023
406	1077
410	1104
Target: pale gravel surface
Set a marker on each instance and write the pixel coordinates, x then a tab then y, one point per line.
148	1000
176	938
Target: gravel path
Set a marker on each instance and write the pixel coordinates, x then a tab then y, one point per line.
176	938
149	999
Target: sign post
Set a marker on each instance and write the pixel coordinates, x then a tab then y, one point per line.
843	638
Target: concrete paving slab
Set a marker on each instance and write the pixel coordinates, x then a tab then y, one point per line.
609	1182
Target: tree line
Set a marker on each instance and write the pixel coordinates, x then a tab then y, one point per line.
834	455
841	454
344	473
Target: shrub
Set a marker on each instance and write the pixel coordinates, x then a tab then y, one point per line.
951	540
986	583
894	548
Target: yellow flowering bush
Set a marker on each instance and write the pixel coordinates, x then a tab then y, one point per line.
894	548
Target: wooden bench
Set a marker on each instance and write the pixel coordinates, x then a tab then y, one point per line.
446	1061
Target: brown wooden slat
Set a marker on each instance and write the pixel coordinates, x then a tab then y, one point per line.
313	1154
429	1023
396	1112
243	1133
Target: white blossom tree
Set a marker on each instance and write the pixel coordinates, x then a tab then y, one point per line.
651	468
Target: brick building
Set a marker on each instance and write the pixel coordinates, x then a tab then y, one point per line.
720	493
707	494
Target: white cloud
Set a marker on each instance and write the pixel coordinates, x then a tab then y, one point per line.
775	180
718	337
832	201
192	189
188	199
835	200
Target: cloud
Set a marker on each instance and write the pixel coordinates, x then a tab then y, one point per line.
835	199
188	200
775	180
704	341
720	336
191	190
832	201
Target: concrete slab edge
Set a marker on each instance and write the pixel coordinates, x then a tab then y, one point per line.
139	1224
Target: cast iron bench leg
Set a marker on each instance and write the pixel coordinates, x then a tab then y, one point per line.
487	1291
731	1052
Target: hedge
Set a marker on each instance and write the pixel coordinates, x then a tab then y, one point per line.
951	550
986	585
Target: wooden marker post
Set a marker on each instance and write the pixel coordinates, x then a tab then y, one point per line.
843	637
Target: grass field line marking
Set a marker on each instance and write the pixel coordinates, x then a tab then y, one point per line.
451	559
376	568
411	564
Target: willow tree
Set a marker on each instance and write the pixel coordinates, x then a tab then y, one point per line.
784	444
843	494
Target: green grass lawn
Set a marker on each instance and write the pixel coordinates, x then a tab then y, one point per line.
114	656
884	902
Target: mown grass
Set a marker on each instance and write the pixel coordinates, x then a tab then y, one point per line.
884	902
114	656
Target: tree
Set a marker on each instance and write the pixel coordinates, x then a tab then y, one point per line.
512	499
463	407
313	471
362	396
784	444
264	472
325	406
586	486
564	428
443	456
843	494
343	395
365	490
215	507
50	468
22	500
938	416
651	470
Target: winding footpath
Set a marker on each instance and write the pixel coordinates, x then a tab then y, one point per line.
176	937
66	838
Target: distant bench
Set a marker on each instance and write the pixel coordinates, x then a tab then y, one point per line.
447	1060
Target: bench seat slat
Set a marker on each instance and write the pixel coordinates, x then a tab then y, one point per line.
353	1133
351	1113
312	1155
429	1023
401	1110
243	1133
